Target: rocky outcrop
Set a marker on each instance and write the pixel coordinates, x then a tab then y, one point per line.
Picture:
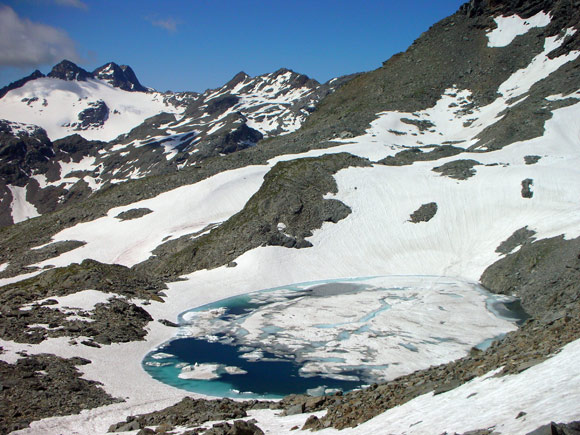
192	413
458	169
93	116
134	213
518	238
122	77
28	158
23	149
543	274
116	321
90	274
527	188
238	427
67	70
41	386
232	141
572	428
411	155
424	213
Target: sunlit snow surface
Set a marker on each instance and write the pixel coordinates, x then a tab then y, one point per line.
53	104
509	27
363	330
21	208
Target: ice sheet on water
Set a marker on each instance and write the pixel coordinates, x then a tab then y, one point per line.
335	326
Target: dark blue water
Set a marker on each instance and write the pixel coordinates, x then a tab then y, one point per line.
268	377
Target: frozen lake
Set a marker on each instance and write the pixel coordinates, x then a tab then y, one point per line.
324	336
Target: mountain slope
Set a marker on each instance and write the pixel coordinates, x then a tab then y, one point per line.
180	130
456	158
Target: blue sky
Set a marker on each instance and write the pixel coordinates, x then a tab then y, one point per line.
199	44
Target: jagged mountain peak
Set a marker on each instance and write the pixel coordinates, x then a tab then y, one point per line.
119	76
237	79
67	70
294	78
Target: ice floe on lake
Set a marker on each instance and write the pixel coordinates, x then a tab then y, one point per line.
360	330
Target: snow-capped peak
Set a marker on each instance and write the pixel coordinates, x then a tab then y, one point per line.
67	70
122	77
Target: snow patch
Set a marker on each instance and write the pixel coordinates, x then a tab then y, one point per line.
21	208
181	211
508	28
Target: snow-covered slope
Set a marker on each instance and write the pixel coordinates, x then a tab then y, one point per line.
55	105
148	132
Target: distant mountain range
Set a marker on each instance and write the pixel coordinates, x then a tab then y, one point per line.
115	129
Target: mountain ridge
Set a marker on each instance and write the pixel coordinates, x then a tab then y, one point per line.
198	126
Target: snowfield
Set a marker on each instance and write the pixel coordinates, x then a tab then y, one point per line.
473	217
54	104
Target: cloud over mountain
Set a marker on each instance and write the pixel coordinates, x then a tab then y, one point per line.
24	43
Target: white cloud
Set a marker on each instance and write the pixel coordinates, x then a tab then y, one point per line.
72	3
24	43
168	24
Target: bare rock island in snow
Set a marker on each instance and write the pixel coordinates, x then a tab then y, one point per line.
322	224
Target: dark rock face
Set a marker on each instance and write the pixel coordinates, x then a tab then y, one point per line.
527	188
220	105
66	70
458	169
122	77
19	83
93	116
237	79
43	386
77	147
531	160
134	213
564	13
241	138
22	152
424	213
411	155
26	151
518	238
543	274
